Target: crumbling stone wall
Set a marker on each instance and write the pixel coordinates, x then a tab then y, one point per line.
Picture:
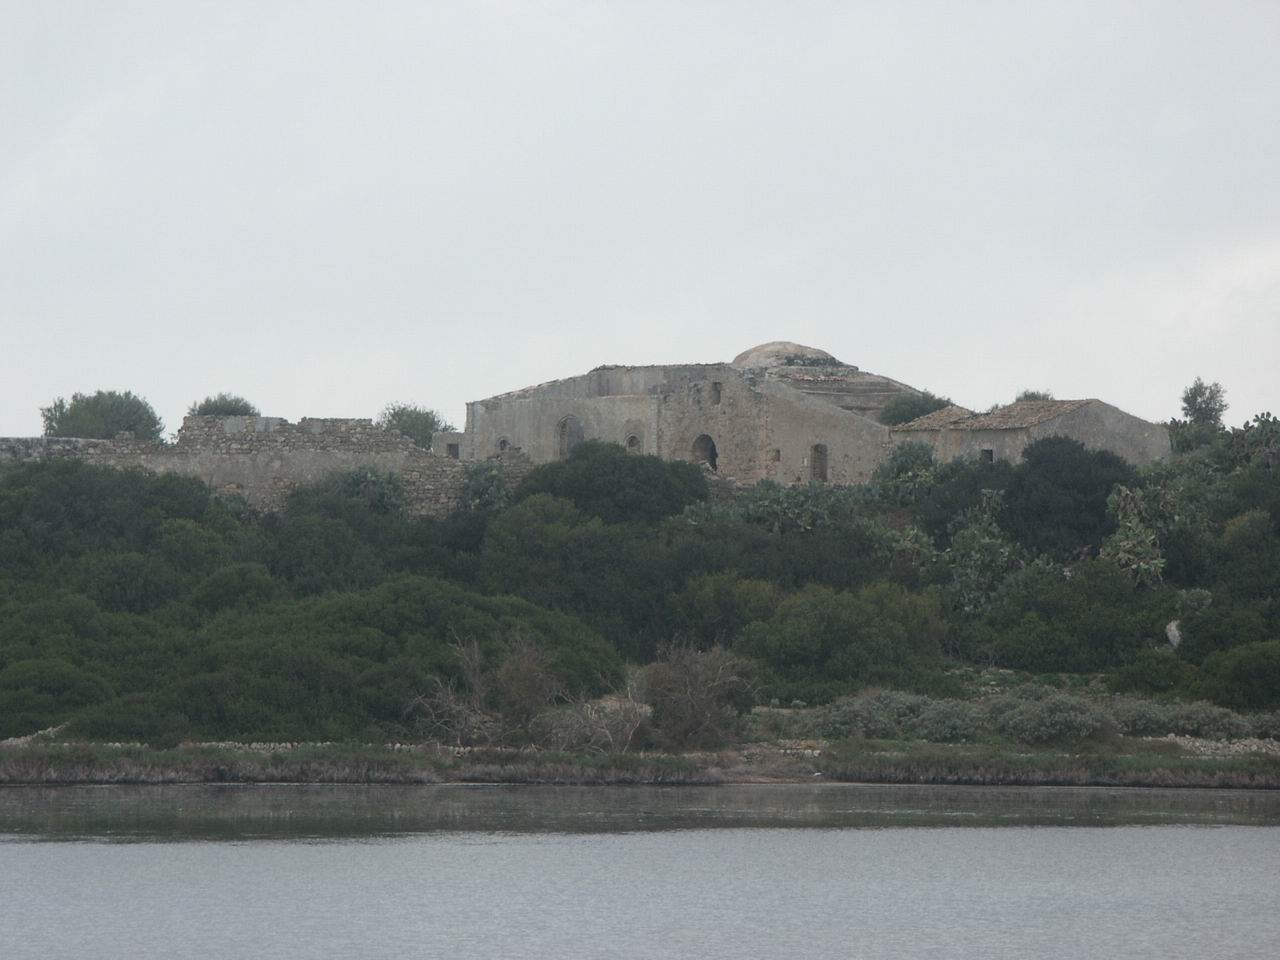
264	459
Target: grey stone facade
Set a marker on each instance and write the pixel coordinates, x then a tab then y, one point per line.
780	411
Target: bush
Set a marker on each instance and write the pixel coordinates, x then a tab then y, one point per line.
603	480
1058	717
223	405
879	714
1140	718
1154	670
878	634
102	416
1201	719
946	721
1247	676
698	696
417	423
1266	725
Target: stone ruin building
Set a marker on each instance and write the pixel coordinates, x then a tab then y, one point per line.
779	411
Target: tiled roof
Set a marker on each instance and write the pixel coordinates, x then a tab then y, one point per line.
939	418
1013	416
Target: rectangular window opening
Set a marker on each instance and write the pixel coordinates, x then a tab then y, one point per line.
715	393
454	451
988	456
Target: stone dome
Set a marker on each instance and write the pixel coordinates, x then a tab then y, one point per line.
784	353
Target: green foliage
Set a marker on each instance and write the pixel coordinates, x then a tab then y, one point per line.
1056	501
223	405
603	480
485	489
1203	404
714	609
102	416
1154	670
1093	617
906	407
1057	717
1246	676
879	634
1033	395
418	423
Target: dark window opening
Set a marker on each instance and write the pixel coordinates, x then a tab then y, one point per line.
453	451
988	456
633	444
818	463
715	393
775	455
568	436
704	451
503	444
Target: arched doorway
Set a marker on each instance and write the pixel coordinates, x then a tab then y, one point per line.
632	444
704	451
568	436
818	463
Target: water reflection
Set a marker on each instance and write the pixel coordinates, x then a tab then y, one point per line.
233	812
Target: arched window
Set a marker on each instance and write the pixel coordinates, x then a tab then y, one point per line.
568	436
704	451
503	444
633	444
818	463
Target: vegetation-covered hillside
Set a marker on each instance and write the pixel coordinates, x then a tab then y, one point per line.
142	607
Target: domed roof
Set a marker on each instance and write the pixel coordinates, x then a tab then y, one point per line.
784	353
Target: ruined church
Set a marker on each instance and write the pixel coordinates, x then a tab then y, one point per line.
780	411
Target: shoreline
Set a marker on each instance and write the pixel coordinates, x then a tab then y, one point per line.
886	763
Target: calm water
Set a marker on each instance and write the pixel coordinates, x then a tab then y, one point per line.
798	871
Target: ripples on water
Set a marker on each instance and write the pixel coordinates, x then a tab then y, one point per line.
636	872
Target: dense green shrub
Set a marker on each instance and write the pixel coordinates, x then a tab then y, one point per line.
879	634
1247	676
223	405
1056	500
604	480
102	416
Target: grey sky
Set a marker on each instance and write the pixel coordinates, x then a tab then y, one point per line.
325	207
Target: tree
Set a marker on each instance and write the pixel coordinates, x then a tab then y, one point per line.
417	423
1204	403
102	416
906	407
1033	395
603	480
223	405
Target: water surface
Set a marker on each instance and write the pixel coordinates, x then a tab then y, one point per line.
823	871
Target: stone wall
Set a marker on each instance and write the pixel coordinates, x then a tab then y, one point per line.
264	459
1098	425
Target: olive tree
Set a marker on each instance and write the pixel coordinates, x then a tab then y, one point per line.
102	416
417	423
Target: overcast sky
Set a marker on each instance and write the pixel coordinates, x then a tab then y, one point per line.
326	207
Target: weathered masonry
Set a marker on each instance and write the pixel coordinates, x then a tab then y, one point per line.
780	411
263	459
